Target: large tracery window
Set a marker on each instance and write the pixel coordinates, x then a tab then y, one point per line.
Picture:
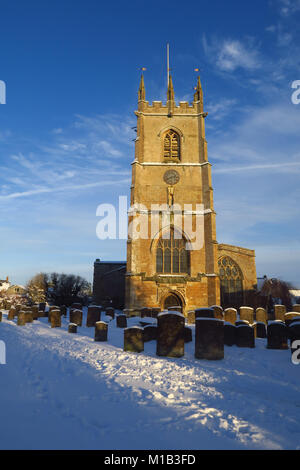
231	283
172	256
172	145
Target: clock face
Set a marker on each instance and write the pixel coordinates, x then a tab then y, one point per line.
171	177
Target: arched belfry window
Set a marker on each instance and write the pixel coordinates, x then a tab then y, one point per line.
231	283
171	145
172	257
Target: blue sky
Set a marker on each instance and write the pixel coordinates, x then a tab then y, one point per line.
71	70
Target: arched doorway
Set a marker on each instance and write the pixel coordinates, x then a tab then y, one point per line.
172	300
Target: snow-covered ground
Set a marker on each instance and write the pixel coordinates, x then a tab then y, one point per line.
65	391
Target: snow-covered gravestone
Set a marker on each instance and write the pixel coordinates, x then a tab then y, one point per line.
76	316
204	313
294	335
245	336
230	315
134	339
170	334
296	308
121	321
247	313
55	319
277	335
28	315
175	308
279	310
209	339
101	329
93	315
218	312
11	314
261	315
290	317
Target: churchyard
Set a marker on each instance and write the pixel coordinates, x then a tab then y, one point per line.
94	378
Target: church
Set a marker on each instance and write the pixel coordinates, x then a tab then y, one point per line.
170	172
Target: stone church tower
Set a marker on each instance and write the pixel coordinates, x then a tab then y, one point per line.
169	262
171	169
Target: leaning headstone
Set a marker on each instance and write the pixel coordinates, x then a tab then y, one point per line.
72	328
55	319
170	334
21	321
188	336
11	314
218	312
230	315
261	331
245	336
93	315
101	329
121	321
134	339
296	308
209	339
145	312
229	334
76	317
191	317
261	315
279	310
150	333
290	317
277	335
204	313
247	313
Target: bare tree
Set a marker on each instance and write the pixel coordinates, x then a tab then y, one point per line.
64	289
273	289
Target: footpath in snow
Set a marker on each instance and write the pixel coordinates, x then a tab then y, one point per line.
65	391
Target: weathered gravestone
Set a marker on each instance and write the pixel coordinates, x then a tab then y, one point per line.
230	315
245	336
76	316
218	312
247	313
134	339
55	319
150	333
204	313
209	339
277	335
296	308
121	321
11	314
28	315
53	307
261	331
93	315
229	334
261	315
21	321
170	334
101	330
279	311
191	317
72	328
